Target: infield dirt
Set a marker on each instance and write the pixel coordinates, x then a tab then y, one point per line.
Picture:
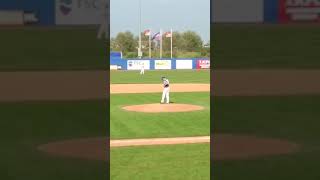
158	108
226	146
83	85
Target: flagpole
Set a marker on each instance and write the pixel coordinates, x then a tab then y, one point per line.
150	43
160	43
139	51
171	42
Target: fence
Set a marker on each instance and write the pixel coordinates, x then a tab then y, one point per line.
159	64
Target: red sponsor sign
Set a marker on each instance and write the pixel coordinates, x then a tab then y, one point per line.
203	64
299	11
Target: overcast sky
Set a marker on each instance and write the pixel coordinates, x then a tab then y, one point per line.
180	15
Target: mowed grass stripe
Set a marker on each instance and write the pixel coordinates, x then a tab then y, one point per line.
188	162
154	76
125	124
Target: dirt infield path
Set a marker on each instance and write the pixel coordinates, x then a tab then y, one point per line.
53	85
266	82
82	85
159	141
226	146
153	88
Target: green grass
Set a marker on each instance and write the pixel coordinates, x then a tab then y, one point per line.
170	162
51	49
26	125
265	46
125	124
175	76
291	118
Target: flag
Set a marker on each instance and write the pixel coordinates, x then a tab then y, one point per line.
168	34
147	32
156	36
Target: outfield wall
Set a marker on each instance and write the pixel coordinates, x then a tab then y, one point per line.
265	11
233	11
43	9
160	64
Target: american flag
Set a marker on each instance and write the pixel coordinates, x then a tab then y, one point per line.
147	32
168	34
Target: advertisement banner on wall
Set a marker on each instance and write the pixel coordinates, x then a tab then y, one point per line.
183	64
162	64
231	11
137	64
80	12
11	17
203	64
113	67
299	11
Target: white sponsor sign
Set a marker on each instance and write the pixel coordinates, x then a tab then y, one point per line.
137	64
230	11
81	12
11	17
162	64
113	67
183	64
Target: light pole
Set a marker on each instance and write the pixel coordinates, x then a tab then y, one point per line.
139	50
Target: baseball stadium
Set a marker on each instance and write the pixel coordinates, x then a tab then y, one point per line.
264	103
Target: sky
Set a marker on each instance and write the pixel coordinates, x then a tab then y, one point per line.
180	15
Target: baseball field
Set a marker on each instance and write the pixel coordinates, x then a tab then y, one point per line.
166	159
266	88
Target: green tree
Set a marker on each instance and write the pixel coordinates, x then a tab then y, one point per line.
187	44
191	42
113	45
125	42
176	45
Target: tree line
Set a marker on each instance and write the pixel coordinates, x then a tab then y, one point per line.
186	44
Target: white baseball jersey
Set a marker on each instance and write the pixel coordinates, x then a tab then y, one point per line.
165	83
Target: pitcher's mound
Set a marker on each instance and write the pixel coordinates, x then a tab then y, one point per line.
156	108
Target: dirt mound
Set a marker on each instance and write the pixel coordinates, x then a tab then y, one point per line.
157	108
225	147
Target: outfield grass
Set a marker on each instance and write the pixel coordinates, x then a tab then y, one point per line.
171	162
265	46
294	118
26	125
125	124
52	48
154	76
